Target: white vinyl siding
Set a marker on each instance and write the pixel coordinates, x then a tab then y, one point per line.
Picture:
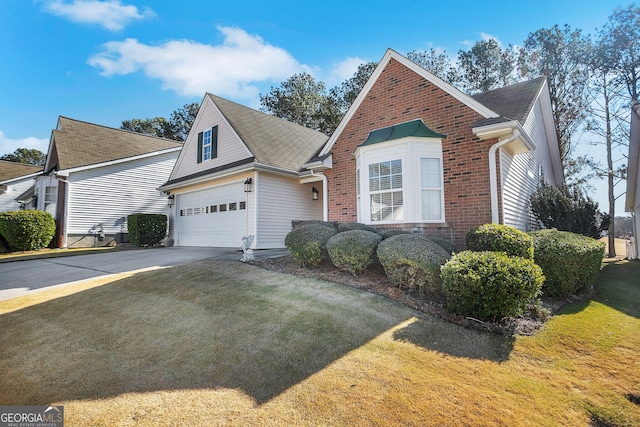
229	146
282	200
107	195
521	174
14	189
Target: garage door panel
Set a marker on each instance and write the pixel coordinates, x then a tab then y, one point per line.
213	217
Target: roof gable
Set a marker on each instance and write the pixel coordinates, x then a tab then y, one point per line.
10	171
76	144
390	55
273	141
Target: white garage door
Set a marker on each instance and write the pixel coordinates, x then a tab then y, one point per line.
215	217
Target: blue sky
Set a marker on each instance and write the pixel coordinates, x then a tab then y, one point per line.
113	60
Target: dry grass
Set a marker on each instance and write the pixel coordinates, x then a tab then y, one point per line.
223	343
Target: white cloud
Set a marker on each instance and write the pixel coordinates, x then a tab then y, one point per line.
483	37
342	71
8	145
111	14
233	69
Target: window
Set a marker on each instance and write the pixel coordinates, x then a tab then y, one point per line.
431	189
385	191
213	208
208	144
182	213
50	197
243	205
232	206
223	207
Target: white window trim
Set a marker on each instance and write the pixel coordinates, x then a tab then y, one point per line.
410	151
206	136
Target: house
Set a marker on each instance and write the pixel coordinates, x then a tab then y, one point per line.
415	153
632	202
16	179
95	176
240	174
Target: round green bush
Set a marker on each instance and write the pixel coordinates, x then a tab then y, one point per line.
412	261
393	232
348	226
27	230
444	244
327	224
570	261
500	238
353	250
490	285
308	243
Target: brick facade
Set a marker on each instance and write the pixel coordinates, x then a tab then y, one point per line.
400	95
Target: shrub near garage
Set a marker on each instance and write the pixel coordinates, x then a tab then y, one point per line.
570	261
490	285
27	230
500	238
353	250
147	229
308	243
412	261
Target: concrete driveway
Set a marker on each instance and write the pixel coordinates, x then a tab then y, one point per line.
23	277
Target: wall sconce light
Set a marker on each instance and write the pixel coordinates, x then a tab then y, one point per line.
170	200
247	185
314	193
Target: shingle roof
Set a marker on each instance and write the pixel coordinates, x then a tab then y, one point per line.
512	102
13	170
79	143
272	141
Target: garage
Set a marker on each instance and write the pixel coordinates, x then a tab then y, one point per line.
215	217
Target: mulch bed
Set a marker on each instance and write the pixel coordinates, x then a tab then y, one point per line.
376	281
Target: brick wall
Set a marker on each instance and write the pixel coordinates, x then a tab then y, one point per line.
400	95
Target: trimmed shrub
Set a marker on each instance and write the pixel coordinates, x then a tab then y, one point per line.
570	261
393	232
26	230
327	224
308	243
412	261
353	250
500	238
348	226
490	285
147	229
444	244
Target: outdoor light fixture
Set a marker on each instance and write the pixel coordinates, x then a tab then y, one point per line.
170	201
247	185
314	193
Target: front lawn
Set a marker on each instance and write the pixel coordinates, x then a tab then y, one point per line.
224	343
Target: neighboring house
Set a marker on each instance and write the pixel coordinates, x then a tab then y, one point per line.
240	174
633	183
415	153
95	176
16	183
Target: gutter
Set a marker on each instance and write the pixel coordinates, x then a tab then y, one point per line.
493	174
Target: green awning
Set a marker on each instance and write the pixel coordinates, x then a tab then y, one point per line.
415	128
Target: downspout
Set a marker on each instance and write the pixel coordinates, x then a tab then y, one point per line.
493	174
325	196
66	207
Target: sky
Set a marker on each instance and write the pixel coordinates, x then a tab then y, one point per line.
105	61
